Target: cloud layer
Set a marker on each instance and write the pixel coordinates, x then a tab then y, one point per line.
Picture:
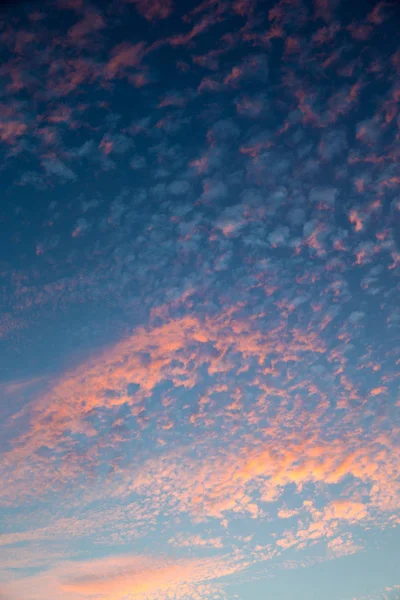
199	325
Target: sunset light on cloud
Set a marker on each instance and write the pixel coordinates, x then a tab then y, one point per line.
200	317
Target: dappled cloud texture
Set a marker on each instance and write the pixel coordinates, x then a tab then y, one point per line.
199	324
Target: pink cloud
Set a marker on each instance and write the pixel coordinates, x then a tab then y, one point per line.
200	27
194	541
91	22
177	350
346	510
11	130
124	56
140	577
153	10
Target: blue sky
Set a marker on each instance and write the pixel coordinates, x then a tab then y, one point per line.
199	324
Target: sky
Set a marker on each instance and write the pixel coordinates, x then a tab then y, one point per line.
199	314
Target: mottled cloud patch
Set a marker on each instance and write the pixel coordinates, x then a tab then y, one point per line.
199	297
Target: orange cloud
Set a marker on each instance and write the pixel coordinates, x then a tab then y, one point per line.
379	390
347	510
327	523
117	577
175	351
343	545
356	220
288	435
